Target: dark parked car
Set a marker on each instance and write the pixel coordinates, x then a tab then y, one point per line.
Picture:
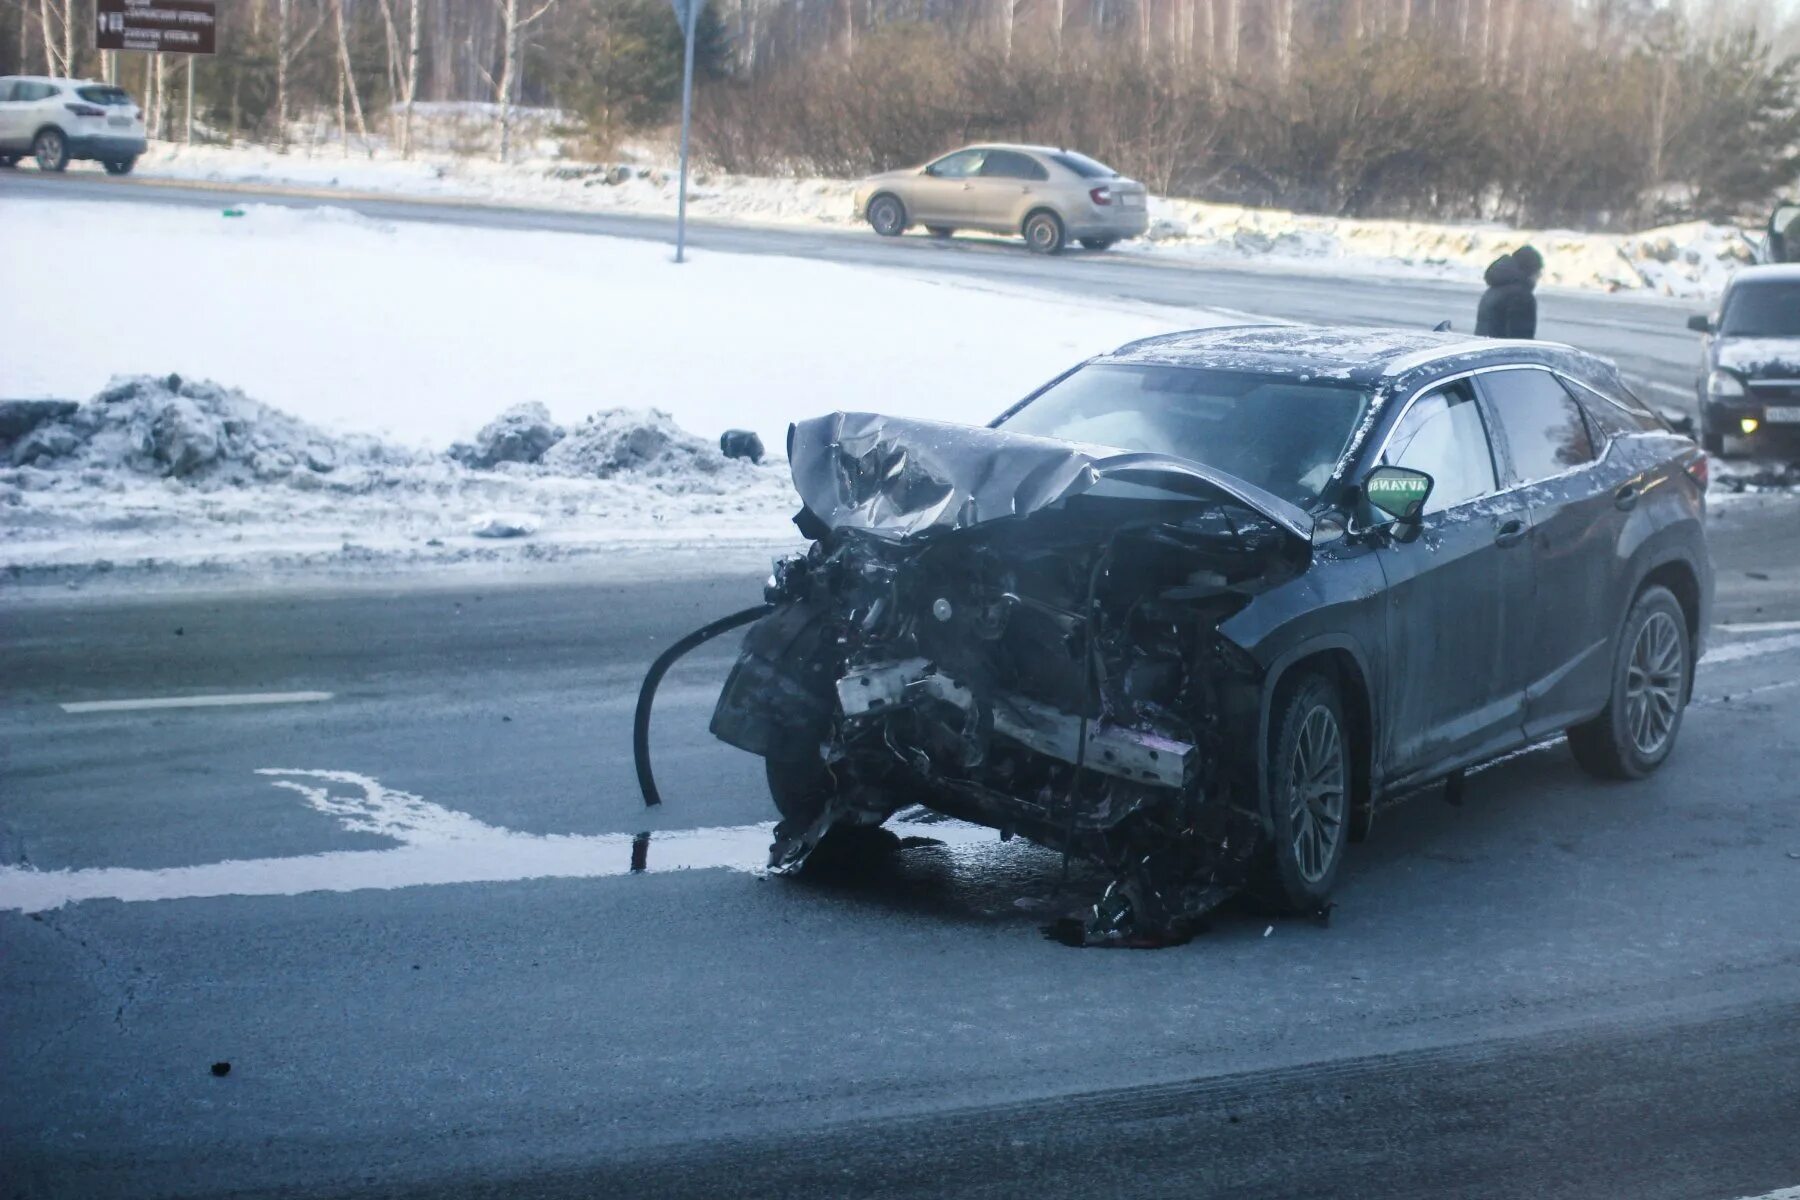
1749	383
1195	608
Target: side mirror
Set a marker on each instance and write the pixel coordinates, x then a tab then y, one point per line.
1400	492
1700	324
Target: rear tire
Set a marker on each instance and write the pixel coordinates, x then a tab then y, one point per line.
120	166
1043	232
1099	243
1310	795
51	150
1652	674
887	216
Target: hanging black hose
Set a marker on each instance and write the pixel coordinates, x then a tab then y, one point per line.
640	725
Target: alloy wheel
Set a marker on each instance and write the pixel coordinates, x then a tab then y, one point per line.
49	151
1653	683
1317	795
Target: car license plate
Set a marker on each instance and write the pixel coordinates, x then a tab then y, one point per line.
120	122
1132	200
1782	415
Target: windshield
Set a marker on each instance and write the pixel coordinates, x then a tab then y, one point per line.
1762	310
1283	434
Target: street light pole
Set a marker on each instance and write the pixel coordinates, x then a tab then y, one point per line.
689	10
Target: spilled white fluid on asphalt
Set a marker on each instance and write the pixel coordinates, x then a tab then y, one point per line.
442	845
436	845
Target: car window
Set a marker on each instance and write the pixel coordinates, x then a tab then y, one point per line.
6	90
1614	408
33	91
1543	426
1762	309
960	165
1082	165
1443	434
1010	164
101	94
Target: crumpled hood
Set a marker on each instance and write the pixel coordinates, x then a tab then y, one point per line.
1760	358
897	477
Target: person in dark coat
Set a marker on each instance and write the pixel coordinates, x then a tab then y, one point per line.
1508	309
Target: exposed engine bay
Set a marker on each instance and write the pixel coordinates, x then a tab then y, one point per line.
1053	670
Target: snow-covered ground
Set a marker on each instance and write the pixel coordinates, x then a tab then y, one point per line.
377	347
1689	260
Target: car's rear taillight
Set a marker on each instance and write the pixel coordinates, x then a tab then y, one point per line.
1100	195
85	110
1699	470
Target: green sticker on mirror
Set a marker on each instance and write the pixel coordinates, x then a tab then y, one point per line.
1397	491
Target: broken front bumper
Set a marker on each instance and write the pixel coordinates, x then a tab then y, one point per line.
1137	755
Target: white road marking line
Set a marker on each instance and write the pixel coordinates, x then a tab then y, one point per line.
1738	651
1758	626
215	701
437	845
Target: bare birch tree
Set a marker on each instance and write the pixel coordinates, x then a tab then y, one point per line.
348	80
512	25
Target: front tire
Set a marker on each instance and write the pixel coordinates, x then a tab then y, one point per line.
1652	676
51	150
1043	232
887	216
120	166
1309	794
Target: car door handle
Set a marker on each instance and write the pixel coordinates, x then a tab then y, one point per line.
1510	534
1627	497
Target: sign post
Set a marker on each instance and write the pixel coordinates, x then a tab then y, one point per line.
687	12
156	26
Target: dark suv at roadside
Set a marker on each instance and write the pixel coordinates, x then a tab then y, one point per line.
1749	384
1194	608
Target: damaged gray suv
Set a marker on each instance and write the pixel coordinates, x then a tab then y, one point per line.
1194	609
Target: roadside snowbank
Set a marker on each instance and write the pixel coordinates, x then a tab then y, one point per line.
165	471
1689	260
421	333
379	356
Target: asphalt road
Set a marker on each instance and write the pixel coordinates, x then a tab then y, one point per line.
1560	988
1646	335
404	911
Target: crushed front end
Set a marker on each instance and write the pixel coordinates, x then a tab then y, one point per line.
1023	634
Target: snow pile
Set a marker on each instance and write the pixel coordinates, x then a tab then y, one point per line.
1687	260
191	430
157	471
521	434
642	440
